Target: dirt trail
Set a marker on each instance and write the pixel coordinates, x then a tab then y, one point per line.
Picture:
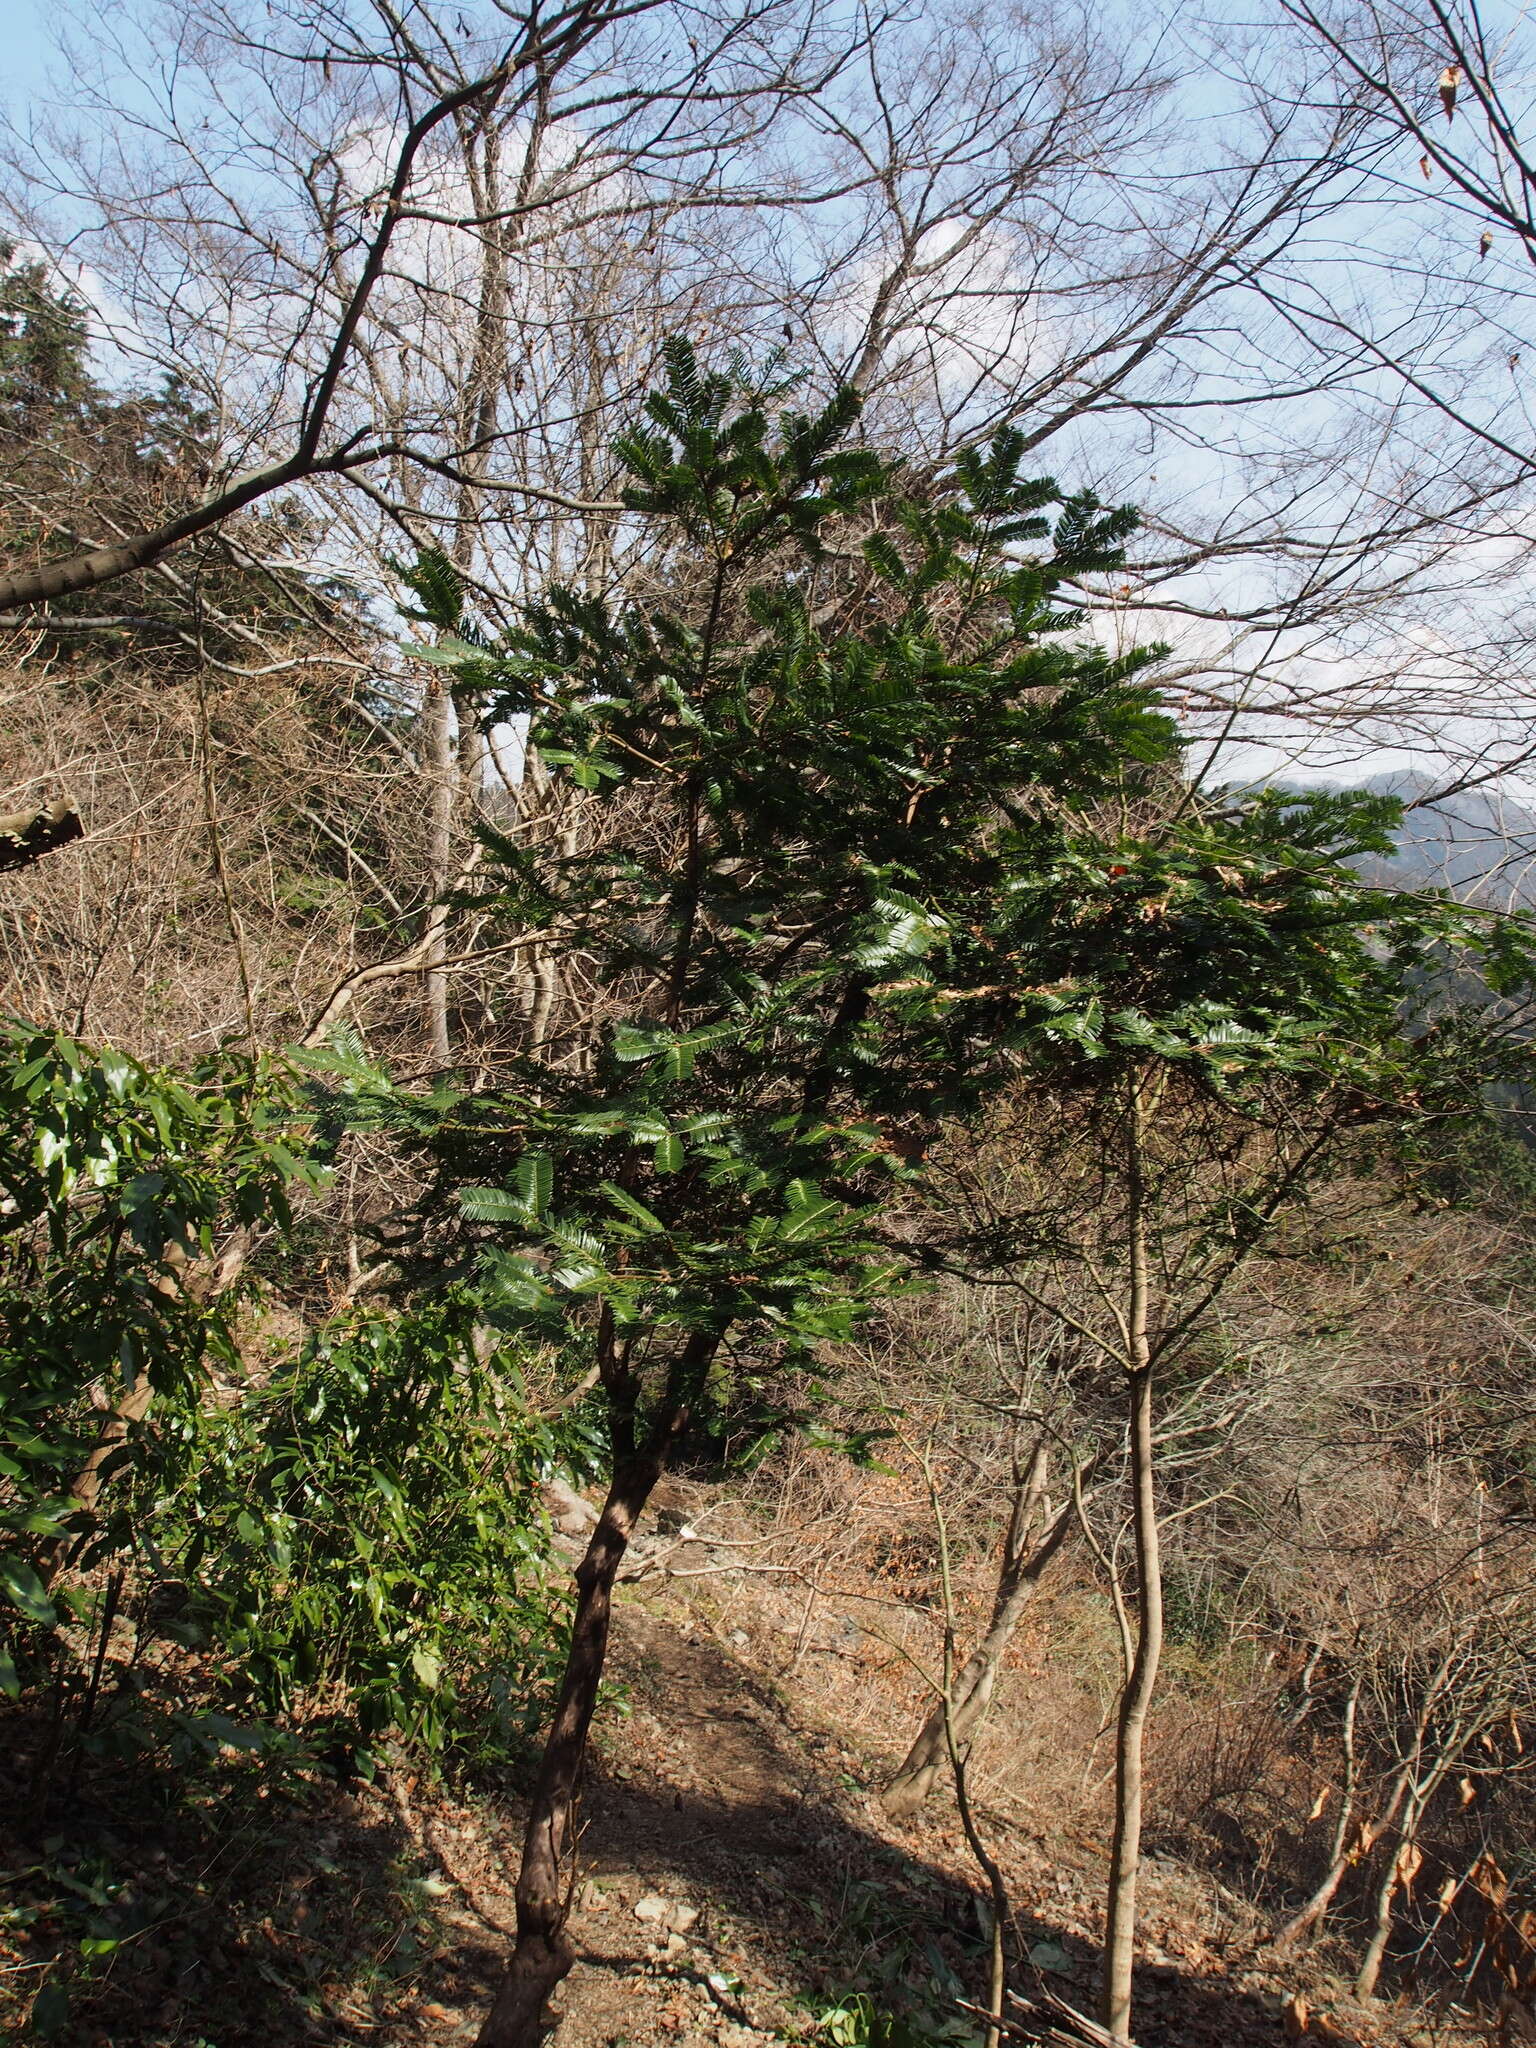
737	1877
766	1881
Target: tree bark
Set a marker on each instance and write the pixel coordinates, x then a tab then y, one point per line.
1370	1832
1381	1930
1136	1701
1125	1848
442	760
544	1952
1313	1913
1398	1876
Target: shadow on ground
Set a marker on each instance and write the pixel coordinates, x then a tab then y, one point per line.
254	1913
728	1807
249	1907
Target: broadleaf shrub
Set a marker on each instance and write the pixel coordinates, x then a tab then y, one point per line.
118	1183
363	1536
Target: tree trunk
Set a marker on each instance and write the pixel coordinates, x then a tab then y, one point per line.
442	766
1376	1948
1125	1848
1400	1872
961	1717
1136	1701
1340	1856
544	1953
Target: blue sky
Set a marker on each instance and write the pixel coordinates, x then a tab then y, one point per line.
25	53
27	56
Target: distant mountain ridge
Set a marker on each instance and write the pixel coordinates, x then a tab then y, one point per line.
1481	844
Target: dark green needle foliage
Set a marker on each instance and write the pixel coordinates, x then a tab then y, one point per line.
802	765
841	879
830	878
1243	946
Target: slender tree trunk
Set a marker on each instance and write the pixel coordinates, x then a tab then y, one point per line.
1125	1848
1369	1972
997	1974
1376	1948
456	744
1340	1856
961	1716
442	767
1141	1680
542	1009
544	1952
1026	1491
1399	1874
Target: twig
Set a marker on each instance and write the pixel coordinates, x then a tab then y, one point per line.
1083	2028
416	961
1001	1912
